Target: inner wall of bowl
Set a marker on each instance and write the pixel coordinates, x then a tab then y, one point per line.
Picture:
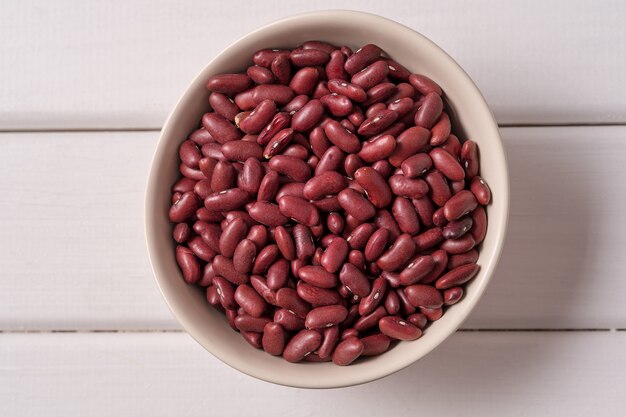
343	28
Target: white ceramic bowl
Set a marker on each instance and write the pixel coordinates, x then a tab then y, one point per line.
473	119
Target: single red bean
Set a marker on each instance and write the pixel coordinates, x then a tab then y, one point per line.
452	295
303	241
201	136
279	94
285	243
299	209
226	292
356	205
245	100
429	111
341	137
330	337
375	150
373	299
291	166
432	314
383	167
289	299
360	235
334	223
403	90
243	257
260	286
398	328
184	185
268	187
351	164
265	258
405	215
335	66
194	174
456	229
428	239
439	189
208	216
281	68
252	303
189	154
439	219
278	274
181	232
273	338
355	280
308	116
301	345
408	143
267	214
228	83
405	306
213	151
420	295
321	90
329	182
318	276
184	208
447	164
295	104
402	106
325	316
201	249
469	158
278	123
251	176
335	255
440	130
203	189
362	58
378	123
213	298
188	263
424	85
220	128
440	257
392	303
224	267
259	117
459	205
452	146
224	176
278	142
374	184
370	320
260	75
457	276
385	220
379	92
398	254
264	57
481	190
371	75
347	351
418	319
468	257
211	234
308	57
317	296
330	161
376	244
407	187
460	245
357	258
289	321
338	105
419	267
375	344
479	228
231	235
304	80
352	91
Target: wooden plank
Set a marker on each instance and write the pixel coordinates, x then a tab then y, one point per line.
475	373
124	64
74	254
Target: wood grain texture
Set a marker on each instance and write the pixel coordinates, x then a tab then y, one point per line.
74	255
483	374
121	64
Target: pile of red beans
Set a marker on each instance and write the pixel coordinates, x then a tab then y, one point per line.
324	204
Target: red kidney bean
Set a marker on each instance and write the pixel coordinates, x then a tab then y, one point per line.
429	111
469	158
317	296
188	263
245	100
362	58
330	161
184	185
420	295
259	117
278	142
402	106
224	267
370	320
335	255
354	92
459	205
341	137
243	257
194	174
439	219
260	286
374	184
373	110
375	344
278	123
440	130
479	228
281	69
303	241
376	244
308	57
335	223
456	229
295	104
405	306
285	243
408	143
301	345
439	189
405	215
210	234
407	187
304	81
385	220
226	292
265	258
452	296
351	164
329	182
231	235
201	136
452	146
213	298
481	190
379	92
224	176
267	214
355	280
447	164
424	85
335	66
393	278
213	151
207	216
278	274
371	75
392	303
291	166
327	204
432	314
321	90
460	245
252	303
231	314
181	232
201	249
189	154
203	189
264	57
289	321
356	205
330	337
338	105
251	176
383	167
184	208
417	270
288	299
308	116
468	257
398	328
378	123
318	276
373	299
260	75
220	128
273	338
360	235
428	239
457	276
440	257
325	316
418	319
375	150
279	94
268	187
228	83
299	209
347	351
296	264
398	254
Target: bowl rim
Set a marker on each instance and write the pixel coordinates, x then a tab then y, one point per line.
502	225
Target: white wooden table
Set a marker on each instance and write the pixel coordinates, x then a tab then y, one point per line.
84	89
